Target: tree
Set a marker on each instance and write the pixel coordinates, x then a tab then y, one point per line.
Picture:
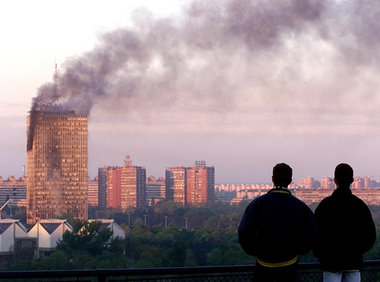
91	237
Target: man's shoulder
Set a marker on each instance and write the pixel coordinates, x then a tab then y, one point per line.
326	204
298	202
326	200
356	198
359	202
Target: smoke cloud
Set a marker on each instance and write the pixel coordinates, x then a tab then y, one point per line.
167	60
225	54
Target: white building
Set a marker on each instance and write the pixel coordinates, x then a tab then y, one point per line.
110	223
10	231
44	236
49	232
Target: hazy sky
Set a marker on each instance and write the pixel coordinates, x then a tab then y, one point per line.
240	84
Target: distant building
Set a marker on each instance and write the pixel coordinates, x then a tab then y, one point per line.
357	184
125	187
117	231
12	188
10	231
93	192
175	184
102	187
200	182
56	165
327	183
308	183
155	190
48	233
190	185
367	182
42	238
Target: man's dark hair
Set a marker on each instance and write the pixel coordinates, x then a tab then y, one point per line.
282	175
344	175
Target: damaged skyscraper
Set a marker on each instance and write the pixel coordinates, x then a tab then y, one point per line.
56	165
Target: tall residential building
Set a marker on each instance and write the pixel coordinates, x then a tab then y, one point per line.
56	165
200	182
93	192
155	190
12	189
124	186
327	183
357	184
175	184
308	183
191	185
102	187
367	182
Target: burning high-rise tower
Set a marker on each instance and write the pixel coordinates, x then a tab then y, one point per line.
56	165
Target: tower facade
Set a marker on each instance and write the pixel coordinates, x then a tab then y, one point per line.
56	165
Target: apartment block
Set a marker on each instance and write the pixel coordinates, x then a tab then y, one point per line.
12	189
125	187
200	183
190	185
93	192
175	184
327	183
308	183
102	187
155	190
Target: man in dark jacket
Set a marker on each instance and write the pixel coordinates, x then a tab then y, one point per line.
276	228
346	229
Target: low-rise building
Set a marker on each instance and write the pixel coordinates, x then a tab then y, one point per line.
48	233
43	237
117	231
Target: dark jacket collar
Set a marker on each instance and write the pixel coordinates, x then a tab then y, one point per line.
279	189
342	191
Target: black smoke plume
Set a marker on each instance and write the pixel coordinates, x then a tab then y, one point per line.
152	59
191	58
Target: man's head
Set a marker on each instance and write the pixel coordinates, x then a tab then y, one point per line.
282	175
343	175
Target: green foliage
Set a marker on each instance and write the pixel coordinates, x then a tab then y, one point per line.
210	239
88	238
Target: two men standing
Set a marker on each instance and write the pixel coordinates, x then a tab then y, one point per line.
277	227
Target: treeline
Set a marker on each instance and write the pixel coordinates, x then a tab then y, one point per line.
158	237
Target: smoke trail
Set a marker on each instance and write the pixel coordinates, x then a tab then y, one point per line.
222	53
162	60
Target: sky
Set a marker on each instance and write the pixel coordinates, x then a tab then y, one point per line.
240	84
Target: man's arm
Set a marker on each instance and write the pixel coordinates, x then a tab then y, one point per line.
368	231
318	214
310	232
248	229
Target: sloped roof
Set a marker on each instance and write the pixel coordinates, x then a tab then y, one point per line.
50	227
4	226
102	226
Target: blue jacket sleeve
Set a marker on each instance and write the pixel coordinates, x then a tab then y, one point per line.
248	229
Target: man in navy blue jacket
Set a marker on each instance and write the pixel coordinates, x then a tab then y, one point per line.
346	229
276	228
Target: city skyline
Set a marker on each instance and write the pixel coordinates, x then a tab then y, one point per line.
15	178
237	84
